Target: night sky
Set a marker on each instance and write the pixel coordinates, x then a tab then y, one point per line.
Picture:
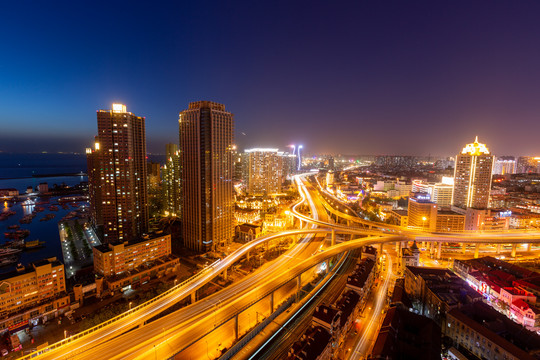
359	77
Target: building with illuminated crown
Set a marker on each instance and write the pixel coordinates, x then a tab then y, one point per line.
206	173
264	171
117	176
472	177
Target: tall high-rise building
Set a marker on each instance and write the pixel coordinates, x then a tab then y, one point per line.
504	165
171	181
528	164
264	171
117	176
472	177
289	164
206	172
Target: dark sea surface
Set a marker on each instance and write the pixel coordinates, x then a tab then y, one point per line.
46	231
18	171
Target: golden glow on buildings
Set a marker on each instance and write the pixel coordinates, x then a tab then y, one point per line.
475	148
115	259
119	108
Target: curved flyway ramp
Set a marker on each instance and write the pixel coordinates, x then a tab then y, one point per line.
375	228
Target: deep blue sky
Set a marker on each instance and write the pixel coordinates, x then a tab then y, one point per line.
351	77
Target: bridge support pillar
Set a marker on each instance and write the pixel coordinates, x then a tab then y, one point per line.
498	248
529	247
247	255
333	242
398	247
476	250
380	249
236	329
514	250
224	274
194	297
298	287
431	248
439	250
271	302
463	248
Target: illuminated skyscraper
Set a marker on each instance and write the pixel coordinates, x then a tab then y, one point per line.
472	177
117	175
206	172
171	181
265	168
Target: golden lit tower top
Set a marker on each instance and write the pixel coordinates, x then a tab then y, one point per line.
475	148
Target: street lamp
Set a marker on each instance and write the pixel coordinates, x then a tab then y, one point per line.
130	305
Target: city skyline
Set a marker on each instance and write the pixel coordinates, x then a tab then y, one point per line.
362	81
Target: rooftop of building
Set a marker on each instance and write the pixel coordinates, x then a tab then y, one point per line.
326	314
446	285
247	227
401	212
405	335
311	345
361	273
399	296
499	329
369	250
346	304
520	303
146	237
21	270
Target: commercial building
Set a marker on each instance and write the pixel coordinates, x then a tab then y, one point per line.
449	221
435	291
528	164
405	335
489	335
472	177
504	165
171	181
132	263
206	173
410	256
264	171
117	176
32	292
439	193
422	213
154	174
116	258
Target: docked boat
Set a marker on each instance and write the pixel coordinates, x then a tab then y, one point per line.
34	244
15	243
39	209
53	208
17	234
14	227
48	217
8	261
8	252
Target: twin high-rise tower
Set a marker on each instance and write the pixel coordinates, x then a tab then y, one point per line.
206	173
117	175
